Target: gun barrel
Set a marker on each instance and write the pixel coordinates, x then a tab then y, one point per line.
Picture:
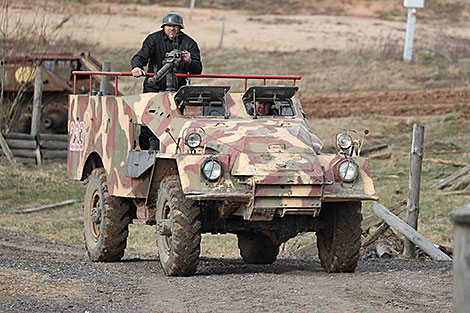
160	74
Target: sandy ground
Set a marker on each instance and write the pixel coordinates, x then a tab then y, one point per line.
117	26
45	276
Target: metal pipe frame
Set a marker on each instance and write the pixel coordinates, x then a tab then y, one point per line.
227	76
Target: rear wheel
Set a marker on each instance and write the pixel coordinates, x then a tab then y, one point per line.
106	220
178	229
257	248
339	241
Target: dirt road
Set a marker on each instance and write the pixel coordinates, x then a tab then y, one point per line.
43	276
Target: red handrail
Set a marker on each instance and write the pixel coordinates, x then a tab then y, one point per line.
231	76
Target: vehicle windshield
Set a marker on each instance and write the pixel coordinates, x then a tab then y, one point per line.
202	100
202	108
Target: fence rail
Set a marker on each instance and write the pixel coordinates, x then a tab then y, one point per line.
25	147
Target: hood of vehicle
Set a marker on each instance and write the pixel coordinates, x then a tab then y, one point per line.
260	136
274	149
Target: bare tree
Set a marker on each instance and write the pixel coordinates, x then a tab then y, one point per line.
3	26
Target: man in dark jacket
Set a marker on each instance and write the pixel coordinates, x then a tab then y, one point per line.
152	53
160	42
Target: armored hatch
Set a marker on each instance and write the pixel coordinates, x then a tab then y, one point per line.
202	100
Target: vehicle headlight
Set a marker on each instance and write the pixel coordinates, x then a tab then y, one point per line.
212	169
348	171
193	140
344	141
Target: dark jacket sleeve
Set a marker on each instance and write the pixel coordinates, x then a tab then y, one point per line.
142	57
196	65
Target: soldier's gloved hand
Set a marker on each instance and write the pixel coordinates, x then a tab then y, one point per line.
137	72
186	57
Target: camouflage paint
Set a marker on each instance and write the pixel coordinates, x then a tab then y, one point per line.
272	162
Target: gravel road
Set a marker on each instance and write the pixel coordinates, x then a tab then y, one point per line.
44	276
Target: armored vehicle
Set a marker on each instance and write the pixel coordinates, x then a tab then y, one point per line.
220	167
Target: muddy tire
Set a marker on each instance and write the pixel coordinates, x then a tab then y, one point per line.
339	242
178	229
257	248
106	220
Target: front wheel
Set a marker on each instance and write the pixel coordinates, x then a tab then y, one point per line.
106	220
178	229
339	241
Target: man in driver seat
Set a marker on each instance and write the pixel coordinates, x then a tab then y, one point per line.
264	108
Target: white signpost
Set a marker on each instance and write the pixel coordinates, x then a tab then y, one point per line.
412	5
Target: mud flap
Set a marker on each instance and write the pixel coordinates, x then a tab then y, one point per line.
138	162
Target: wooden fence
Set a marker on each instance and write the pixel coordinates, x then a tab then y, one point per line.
28	149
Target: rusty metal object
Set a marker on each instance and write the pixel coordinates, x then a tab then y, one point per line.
55	119
57	84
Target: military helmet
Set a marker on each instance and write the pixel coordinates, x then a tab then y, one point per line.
173	18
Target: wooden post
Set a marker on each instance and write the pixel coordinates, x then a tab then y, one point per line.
6	150
399	225
1	108
410	33
222	33
461	290
37	100
191	8
2	83
47	206
38	155
104	84
412	208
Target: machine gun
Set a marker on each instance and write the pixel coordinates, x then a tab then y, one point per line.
170	64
